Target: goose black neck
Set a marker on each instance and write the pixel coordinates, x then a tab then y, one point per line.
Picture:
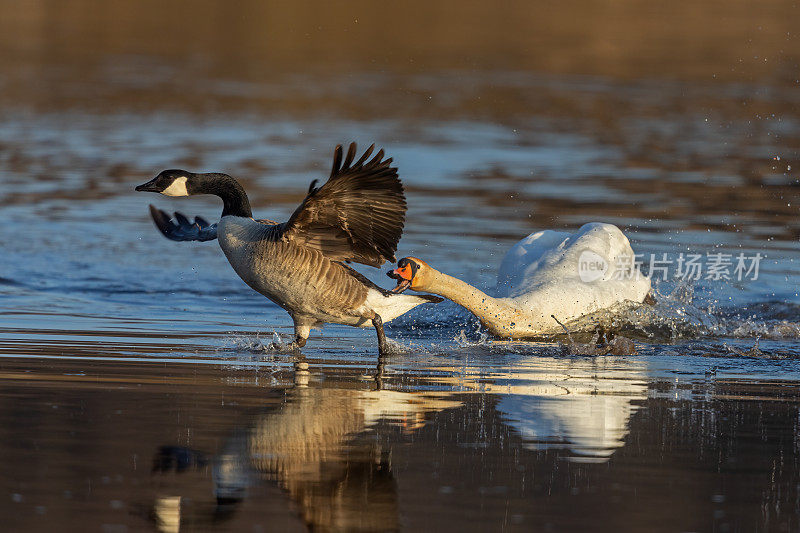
234	199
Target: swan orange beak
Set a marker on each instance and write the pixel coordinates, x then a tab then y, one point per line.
403	275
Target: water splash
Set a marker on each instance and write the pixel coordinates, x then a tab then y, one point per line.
254	345
679	315
396	347
754	351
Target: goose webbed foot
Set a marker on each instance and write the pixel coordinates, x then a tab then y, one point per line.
301	332
281	347
289	347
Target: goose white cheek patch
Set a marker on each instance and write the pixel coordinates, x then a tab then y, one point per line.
176	188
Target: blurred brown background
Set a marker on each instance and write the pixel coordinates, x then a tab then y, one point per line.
172	48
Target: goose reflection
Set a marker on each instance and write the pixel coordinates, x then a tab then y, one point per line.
328	445
323	449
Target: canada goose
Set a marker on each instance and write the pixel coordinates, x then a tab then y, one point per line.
357	215
546	273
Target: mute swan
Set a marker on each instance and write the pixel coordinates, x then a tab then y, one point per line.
357	215
546	273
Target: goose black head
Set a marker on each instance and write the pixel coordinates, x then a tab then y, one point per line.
173	182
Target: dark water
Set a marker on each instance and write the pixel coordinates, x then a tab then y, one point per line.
137	389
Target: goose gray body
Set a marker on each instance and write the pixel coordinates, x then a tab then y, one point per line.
357	215
302	280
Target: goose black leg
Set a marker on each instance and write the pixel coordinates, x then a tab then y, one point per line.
383	349
383	346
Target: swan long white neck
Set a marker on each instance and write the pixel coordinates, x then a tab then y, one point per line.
499	315
542	276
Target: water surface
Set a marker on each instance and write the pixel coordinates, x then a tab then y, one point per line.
139	390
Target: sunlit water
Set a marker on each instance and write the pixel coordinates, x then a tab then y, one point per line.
143	385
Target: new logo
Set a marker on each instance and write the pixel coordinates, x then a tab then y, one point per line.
591	266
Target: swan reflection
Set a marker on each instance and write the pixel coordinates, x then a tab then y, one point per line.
581	404
587	416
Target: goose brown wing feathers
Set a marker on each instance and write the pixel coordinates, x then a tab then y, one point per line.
357	215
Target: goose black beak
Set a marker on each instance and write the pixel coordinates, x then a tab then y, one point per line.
150	186
402	283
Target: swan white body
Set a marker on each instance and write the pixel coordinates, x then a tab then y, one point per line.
570	274
567	275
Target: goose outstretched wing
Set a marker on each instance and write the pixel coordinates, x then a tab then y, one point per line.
181	229
357	215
